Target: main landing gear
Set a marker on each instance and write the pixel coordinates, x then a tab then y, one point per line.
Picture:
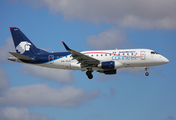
146	73
89	73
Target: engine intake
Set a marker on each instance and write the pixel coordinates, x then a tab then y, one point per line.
107	65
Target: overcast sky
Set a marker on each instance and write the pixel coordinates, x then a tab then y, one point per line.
35	93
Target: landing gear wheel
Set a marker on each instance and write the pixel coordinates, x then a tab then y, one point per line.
89	74
147	74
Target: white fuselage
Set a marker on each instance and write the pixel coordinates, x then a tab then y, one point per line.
122	58
103	61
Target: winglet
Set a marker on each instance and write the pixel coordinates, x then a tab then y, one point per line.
66	47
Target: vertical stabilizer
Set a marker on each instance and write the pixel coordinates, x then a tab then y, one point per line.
22	44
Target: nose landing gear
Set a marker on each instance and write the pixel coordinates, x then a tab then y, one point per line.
146	73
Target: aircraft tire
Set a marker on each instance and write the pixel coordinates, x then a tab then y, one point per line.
147	74
89	74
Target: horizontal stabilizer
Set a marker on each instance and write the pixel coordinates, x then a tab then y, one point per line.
22	57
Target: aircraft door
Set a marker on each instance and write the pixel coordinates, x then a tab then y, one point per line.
143	55
51	58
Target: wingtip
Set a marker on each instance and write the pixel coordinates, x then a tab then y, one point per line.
67	48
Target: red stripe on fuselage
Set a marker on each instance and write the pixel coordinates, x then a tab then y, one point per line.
98	53
108	53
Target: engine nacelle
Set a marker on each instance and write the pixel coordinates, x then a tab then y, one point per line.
107	65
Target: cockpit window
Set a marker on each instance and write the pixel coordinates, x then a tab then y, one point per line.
156	53
153	52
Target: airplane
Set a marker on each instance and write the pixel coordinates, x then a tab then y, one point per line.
103	61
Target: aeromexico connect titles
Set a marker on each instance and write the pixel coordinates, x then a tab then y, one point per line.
103	61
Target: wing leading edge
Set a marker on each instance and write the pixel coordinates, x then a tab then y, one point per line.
85	60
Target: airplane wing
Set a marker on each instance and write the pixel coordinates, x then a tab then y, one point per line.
81	58
17	55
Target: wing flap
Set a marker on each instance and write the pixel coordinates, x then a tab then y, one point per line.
17	55
83	59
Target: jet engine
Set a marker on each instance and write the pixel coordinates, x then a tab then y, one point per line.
107	65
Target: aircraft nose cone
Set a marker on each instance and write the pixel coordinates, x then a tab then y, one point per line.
165	60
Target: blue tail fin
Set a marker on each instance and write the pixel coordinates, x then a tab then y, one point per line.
22	44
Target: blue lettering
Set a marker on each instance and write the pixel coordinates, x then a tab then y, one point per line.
124	57
135	57
128	57
132	57
117	58
113	57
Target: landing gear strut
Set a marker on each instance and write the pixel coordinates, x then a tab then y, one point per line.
146	73
89	74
